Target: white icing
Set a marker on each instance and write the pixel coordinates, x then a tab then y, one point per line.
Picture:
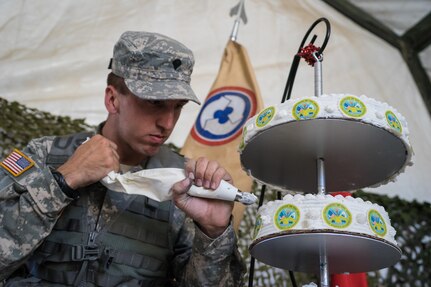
329	109
311	209
265	219
361	218
379	115
312	214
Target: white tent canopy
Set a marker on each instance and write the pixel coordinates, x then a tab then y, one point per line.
54	57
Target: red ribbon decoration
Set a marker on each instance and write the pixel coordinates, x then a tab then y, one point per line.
307	54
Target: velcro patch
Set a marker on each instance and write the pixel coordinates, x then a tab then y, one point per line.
17	163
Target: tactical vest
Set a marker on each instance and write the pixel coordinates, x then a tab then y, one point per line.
128	243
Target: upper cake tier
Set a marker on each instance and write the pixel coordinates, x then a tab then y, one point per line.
362	142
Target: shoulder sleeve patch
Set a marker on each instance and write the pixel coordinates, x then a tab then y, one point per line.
16	163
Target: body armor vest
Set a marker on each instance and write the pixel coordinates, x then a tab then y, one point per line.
106	238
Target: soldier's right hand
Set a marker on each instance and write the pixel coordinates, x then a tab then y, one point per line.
92	161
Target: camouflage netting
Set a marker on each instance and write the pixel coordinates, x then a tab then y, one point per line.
412	220
19	124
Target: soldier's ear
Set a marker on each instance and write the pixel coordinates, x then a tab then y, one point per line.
111	100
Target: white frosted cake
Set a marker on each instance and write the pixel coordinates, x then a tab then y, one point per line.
340	106
323	213
328	106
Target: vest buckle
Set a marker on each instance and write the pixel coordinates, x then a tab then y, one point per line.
85	252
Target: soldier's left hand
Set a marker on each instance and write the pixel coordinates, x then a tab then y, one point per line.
211	215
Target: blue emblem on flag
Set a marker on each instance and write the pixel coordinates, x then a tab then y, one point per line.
223	115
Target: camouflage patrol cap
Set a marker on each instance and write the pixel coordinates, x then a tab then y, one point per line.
154	67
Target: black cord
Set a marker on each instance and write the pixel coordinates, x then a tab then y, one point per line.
291	78
262	196
297	59
252	260
251	272
292	278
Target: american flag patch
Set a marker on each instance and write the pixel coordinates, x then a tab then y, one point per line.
16	163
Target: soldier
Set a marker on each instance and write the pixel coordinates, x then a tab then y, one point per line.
59	226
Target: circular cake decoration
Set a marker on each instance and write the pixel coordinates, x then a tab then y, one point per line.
337	215
377	223
265	116
352	107
286	217
257	226
393	121
305	109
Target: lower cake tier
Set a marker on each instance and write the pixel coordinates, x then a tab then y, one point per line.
343	252
292	233
324	212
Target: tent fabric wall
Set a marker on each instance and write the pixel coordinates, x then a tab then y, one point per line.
55	54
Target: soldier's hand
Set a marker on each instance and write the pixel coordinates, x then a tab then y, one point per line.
91	161
211	215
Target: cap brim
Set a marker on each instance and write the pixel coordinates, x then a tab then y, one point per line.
162	90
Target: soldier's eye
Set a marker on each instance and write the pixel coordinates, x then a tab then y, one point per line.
156	103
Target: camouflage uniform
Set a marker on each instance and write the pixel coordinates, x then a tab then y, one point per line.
32	205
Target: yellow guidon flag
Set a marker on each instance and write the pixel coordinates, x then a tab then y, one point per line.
233	98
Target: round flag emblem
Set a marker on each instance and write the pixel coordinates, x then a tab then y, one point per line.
305	110
258	226
265	116
286	217
393	121
377	223
337	215
352	107
223	114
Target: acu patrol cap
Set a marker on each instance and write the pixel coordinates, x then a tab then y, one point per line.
154	67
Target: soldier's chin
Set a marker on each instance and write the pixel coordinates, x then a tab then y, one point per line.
152	150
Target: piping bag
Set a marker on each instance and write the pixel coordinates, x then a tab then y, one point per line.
157	183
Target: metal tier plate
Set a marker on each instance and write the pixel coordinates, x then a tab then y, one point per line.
356	155
345	253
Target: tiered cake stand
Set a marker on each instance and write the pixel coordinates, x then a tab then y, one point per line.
319	156
322	156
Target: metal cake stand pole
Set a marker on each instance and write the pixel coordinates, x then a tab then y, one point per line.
323	257
318	74
321	185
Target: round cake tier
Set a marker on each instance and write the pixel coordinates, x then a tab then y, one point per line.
363	143
306	213
344	252
294	232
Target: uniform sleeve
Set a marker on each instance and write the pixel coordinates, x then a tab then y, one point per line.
208	262
30	204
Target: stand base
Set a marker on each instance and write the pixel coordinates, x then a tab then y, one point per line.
345	252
